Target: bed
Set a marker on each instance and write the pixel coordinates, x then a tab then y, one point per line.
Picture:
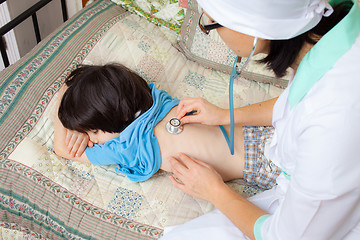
43	196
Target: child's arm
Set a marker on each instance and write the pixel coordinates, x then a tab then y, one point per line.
64	138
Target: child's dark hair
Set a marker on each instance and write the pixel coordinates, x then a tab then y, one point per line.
283	53
103	97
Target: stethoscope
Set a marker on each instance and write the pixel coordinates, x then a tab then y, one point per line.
174	125
234	74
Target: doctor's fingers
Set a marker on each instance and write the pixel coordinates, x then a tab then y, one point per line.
197	170
186	168
188	161
188	188
185	188
206	113
180	177
188	105
193	119
177	167
187	101
189	178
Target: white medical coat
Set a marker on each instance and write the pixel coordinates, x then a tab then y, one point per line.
317	144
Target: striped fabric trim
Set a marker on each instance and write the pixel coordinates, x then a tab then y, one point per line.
35	204
55	213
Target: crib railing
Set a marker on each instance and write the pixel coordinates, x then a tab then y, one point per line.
30	12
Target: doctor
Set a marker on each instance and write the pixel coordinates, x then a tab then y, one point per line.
316	120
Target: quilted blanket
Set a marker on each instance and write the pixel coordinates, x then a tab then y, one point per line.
45	196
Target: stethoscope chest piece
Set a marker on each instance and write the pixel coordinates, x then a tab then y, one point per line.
174	126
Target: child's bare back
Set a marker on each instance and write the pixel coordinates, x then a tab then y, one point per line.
206	143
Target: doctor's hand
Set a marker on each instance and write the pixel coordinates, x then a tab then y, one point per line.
195	177
206	113
76	142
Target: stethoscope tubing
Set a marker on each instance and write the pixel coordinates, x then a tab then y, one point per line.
234	74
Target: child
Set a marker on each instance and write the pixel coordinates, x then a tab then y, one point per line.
123	119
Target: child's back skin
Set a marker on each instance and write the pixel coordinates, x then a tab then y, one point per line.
206	143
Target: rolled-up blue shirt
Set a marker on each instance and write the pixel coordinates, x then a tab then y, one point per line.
136	151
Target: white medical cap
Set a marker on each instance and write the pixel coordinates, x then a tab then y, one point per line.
268	19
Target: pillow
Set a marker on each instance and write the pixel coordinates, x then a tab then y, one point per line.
210	51
166	13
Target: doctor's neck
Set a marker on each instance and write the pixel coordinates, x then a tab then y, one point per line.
304	50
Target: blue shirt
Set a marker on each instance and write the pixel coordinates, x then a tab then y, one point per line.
136	151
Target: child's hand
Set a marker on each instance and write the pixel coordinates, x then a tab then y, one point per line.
76	142
206	113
